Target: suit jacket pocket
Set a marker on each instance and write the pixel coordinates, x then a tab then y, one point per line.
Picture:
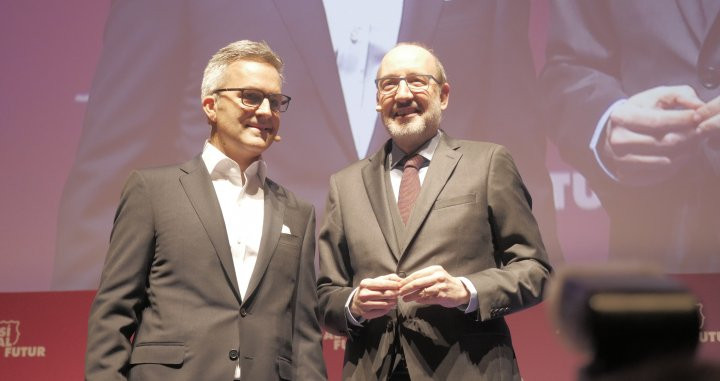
452	201
289	239
285	368
158	353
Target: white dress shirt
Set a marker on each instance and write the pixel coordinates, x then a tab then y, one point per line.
242	201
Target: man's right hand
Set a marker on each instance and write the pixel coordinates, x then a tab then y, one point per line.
652	136
375	297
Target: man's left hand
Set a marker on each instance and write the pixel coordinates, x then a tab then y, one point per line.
433	285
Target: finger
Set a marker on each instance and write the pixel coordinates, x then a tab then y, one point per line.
647	120
422	273
436	279
680	96
417	285
412	296
667	97
392	277
641	163
379	284
375	305
367	295
638	169
710	127
624	141
709	110
429	295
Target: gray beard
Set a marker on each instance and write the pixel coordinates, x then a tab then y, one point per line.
418	126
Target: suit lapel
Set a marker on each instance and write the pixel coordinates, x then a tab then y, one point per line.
308	30
199	190
441	167
693	14
374	179
419	21
272	227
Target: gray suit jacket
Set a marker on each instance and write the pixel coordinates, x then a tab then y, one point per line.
168	306
472	217
602	51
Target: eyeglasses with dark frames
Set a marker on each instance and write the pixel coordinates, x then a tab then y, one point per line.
414	82
254	98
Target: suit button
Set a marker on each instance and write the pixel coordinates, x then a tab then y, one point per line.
233	354
390	326
243	312
401	274
710	76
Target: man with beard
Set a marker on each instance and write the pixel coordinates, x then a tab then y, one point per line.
427	243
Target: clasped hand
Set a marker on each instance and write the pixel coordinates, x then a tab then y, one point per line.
655	134
375	297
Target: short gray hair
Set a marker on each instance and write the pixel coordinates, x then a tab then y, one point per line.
237	51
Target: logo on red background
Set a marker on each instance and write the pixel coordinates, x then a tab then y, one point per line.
707	336
9	337
9	332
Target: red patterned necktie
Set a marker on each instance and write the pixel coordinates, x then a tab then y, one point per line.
409	186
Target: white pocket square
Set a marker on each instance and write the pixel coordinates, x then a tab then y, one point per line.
285	230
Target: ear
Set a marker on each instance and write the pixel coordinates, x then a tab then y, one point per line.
444	95
378	107
208	105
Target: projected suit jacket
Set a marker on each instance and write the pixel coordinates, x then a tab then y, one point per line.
602	51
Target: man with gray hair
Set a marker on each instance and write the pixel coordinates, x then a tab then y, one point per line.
428	243
209	274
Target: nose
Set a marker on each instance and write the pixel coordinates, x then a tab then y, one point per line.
264	108
403	92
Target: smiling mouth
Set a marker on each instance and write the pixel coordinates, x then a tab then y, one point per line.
262	128
406	112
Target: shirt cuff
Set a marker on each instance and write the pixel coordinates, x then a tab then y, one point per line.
349	316
473	303
599	129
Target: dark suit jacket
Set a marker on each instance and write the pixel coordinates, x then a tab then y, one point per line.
602	51
473	218
168	306
143	109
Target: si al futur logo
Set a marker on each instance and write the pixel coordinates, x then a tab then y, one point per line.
9	338
707	336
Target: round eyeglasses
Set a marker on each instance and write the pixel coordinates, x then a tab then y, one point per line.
414	82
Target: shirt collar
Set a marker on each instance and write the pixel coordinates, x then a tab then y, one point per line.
222	167
426	150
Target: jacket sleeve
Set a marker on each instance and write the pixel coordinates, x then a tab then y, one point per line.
336	274
114	314
580	80
523	269
307	336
